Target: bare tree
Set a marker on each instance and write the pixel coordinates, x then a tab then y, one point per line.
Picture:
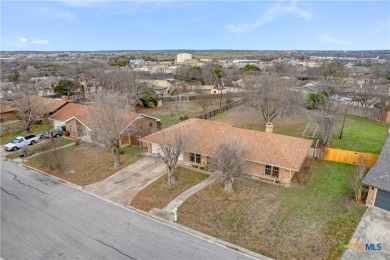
367	96
172	147
355	179
335	75
126	82
109	117
203	103
272	97
29	105
327	117
230	158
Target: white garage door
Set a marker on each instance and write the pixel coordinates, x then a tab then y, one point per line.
156	149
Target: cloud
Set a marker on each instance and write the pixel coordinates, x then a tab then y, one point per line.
328	38
22	40
40	42
52	13
276	11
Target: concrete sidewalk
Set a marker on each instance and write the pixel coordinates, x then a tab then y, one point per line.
166	212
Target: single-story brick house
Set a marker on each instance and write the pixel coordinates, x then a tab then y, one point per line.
269	156
74	118
378	180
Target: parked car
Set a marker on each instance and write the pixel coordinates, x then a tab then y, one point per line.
20	142
55	133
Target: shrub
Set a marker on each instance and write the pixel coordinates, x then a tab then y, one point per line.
182	118
229	100
250	68
148	97
304	175
314	100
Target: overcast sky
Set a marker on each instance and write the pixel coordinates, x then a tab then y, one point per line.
154	25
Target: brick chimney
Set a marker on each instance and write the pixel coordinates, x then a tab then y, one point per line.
269	127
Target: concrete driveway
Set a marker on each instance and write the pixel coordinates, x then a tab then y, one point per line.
125	184
374	228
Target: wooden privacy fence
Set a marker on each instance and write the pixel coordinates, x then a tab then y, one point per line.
222	109
183	98
370	113
350	157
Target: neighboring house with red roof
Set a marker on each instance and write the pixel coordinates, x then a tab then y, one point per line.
74	118
269	156
9	110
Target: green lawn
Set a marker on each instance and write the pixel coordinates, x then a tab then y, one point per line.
86	163
19	131
284	223
362	135
170	113
159	193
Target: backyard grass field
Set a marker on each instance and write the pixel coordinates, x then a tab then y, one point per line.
85	164
170	112
159	193
359	134
284	223
362	135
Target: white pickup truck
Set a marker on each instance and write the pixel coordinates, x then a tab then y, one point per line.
20	142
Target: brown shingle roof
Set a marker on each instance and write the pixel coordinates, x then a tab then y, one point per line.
266	148
80	112
51	105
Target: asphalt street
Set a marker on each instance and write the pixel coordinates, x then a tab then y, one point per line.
44	219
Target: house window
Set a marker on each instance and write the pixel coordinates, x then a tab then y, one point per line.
194	157
271	170
150	124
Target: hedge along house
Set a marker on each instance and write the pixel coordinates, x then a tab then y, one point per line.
270	156
74	118
378	180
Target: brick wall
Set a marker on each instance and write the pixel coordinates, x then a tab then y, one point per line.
255	169
142	127
75	128
71	126
371	196
203	159
285	175
258	169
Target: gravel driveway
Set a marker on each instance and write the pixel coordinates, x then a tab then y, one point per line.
125	184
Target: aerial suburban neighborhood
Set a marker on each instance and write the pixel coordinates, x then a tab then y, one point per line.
213	144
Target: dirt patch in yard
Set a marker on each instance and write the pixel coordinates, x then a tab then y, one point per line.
87	163
159	193
283	223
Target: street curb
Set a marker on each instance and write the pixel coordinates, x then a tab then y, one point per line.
174	225
51	176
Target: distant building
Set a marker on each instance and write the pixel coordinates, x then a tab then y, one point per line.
181	57
137	62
